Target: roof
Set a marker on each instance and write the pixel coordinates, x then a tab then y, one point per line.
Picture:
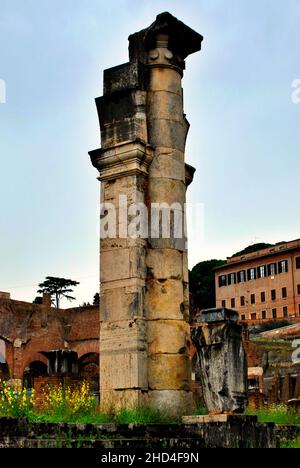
276	250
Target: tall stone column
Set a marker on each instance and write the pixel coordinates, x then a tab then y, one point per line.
167	295
144	304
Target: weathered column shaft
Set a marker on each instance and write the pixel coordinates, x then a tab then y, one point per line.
169	371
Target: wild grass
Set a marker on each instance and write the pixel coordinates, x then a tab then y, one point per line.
75	405
65	404
292	444
278	414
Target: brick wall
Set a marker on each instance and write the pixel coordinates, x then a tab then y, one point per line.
29	330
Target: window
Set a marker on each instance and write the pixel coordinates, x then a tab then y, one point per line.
298	289
253	317
241	276
285	312
232	303
224	304
252	274
243	317
261	271
231	279
264	314
283	266
222	281
274	313
284	293
243	301
263	297
273	295
272	269
298	263
252	299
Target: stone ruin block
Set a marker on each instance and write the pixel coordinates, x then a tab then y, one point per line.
217	336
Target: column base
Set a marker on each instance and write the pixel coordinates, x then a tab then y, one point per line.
172	402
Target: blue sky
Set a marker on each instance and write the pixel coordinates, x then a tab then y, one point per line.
244	138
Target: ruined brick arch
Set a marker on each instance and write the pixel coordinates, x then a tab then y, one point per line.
35	357
4	372
4	367
86	348
88	367
35	368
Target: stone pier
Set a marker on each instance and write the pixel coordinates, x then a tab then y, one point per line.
144	306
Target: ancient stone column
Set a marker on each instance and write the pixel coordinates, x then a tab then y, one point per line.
144	304
167	293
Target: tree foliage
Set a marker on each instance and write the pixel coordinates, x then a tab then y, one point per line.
202	279
252	248
38	301
96	300
58	288
202	284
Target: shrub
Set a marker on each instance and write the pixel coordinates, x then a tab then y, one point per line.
68	401
15	402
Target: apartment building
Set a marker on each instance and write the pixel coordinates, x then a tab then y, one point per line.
264	285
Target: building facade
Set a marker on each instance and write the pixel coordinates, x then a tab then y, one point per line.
264	285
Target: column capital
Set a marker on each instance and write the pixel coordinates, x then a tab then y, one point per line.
125	159
167	41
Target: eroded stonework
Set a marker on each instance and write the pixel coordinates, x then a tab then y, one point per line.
223	361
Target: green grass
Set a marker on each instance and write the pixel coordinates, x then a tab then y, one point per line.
200	411
122	416
90	418
293	444
278	414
